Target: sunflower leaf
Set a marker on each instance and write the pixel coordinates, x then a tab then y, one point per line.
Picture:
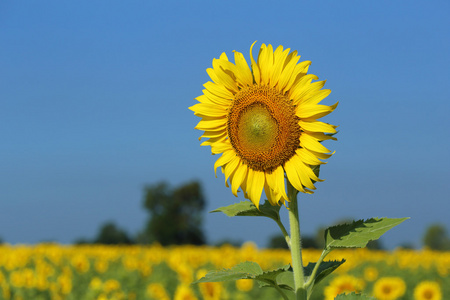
285	280
354	296
325	269
247	208
359	233
270	278
245	270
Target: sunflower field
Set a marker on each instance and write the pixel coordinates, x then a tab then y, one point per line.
52	271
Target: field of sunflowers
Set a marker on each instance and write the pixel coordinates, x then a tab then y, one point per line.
52	271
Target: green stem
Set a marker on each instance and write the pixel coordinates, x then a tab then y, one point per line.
281	292
283	230
316	268
296	246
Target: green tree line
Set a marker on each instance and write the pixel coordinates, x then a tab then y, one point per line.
175	217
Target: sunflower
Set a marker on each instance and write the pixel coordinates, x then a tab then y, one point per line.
263	120
389	288
428	290
342	285
184	292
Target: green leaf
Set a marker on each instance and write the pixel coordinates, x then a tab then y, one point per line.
353	296
359	233
246	270
270	278
247	208
286	280
325	269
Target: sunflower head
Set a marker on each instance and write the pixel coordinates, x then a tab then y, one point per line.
262	119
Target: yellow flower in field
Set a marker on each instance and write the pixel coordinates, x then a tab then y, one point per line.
101	265
6	290
102	297
244	285
343	284
111	285
389	288
209	290
65	284
29	278
80	263
428	290
184	273
157	291
96	283
370	273
16	279
184	292
263	121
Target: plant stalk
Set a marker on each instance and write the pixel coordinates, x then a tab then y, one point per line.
296	245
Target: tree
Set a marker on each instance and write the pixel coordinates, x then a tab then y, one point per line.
175	214
436	238
110	234
277	241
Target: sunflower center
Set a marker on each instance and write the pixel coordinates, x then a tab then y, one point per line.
263	127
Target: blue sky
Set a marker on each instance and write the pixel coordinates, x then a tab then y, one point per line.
94	99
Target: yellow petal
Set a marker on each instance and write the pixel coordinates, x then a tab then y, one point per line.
314	111
279	59
224	78
225	102
311	143
225	158
320	136
299	72
281	187
309	90
255	67
218	90
317	126
218	148
238	178
321	155
285	76
308	157
207	109
213	140
213	75
292	175
212	124
302	171
272	197
255	185
315	98
230	167
299	86
243	72
265	63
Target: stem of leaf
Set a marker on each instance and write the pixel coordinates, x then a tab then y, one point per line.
316	268
281	292
296	246
283	230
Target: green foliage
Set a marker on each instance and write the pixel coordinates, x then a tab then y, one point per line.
252	270
277	242
358	233
245	270
110	234
324	269
247	208
353	296
436	238
175	214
